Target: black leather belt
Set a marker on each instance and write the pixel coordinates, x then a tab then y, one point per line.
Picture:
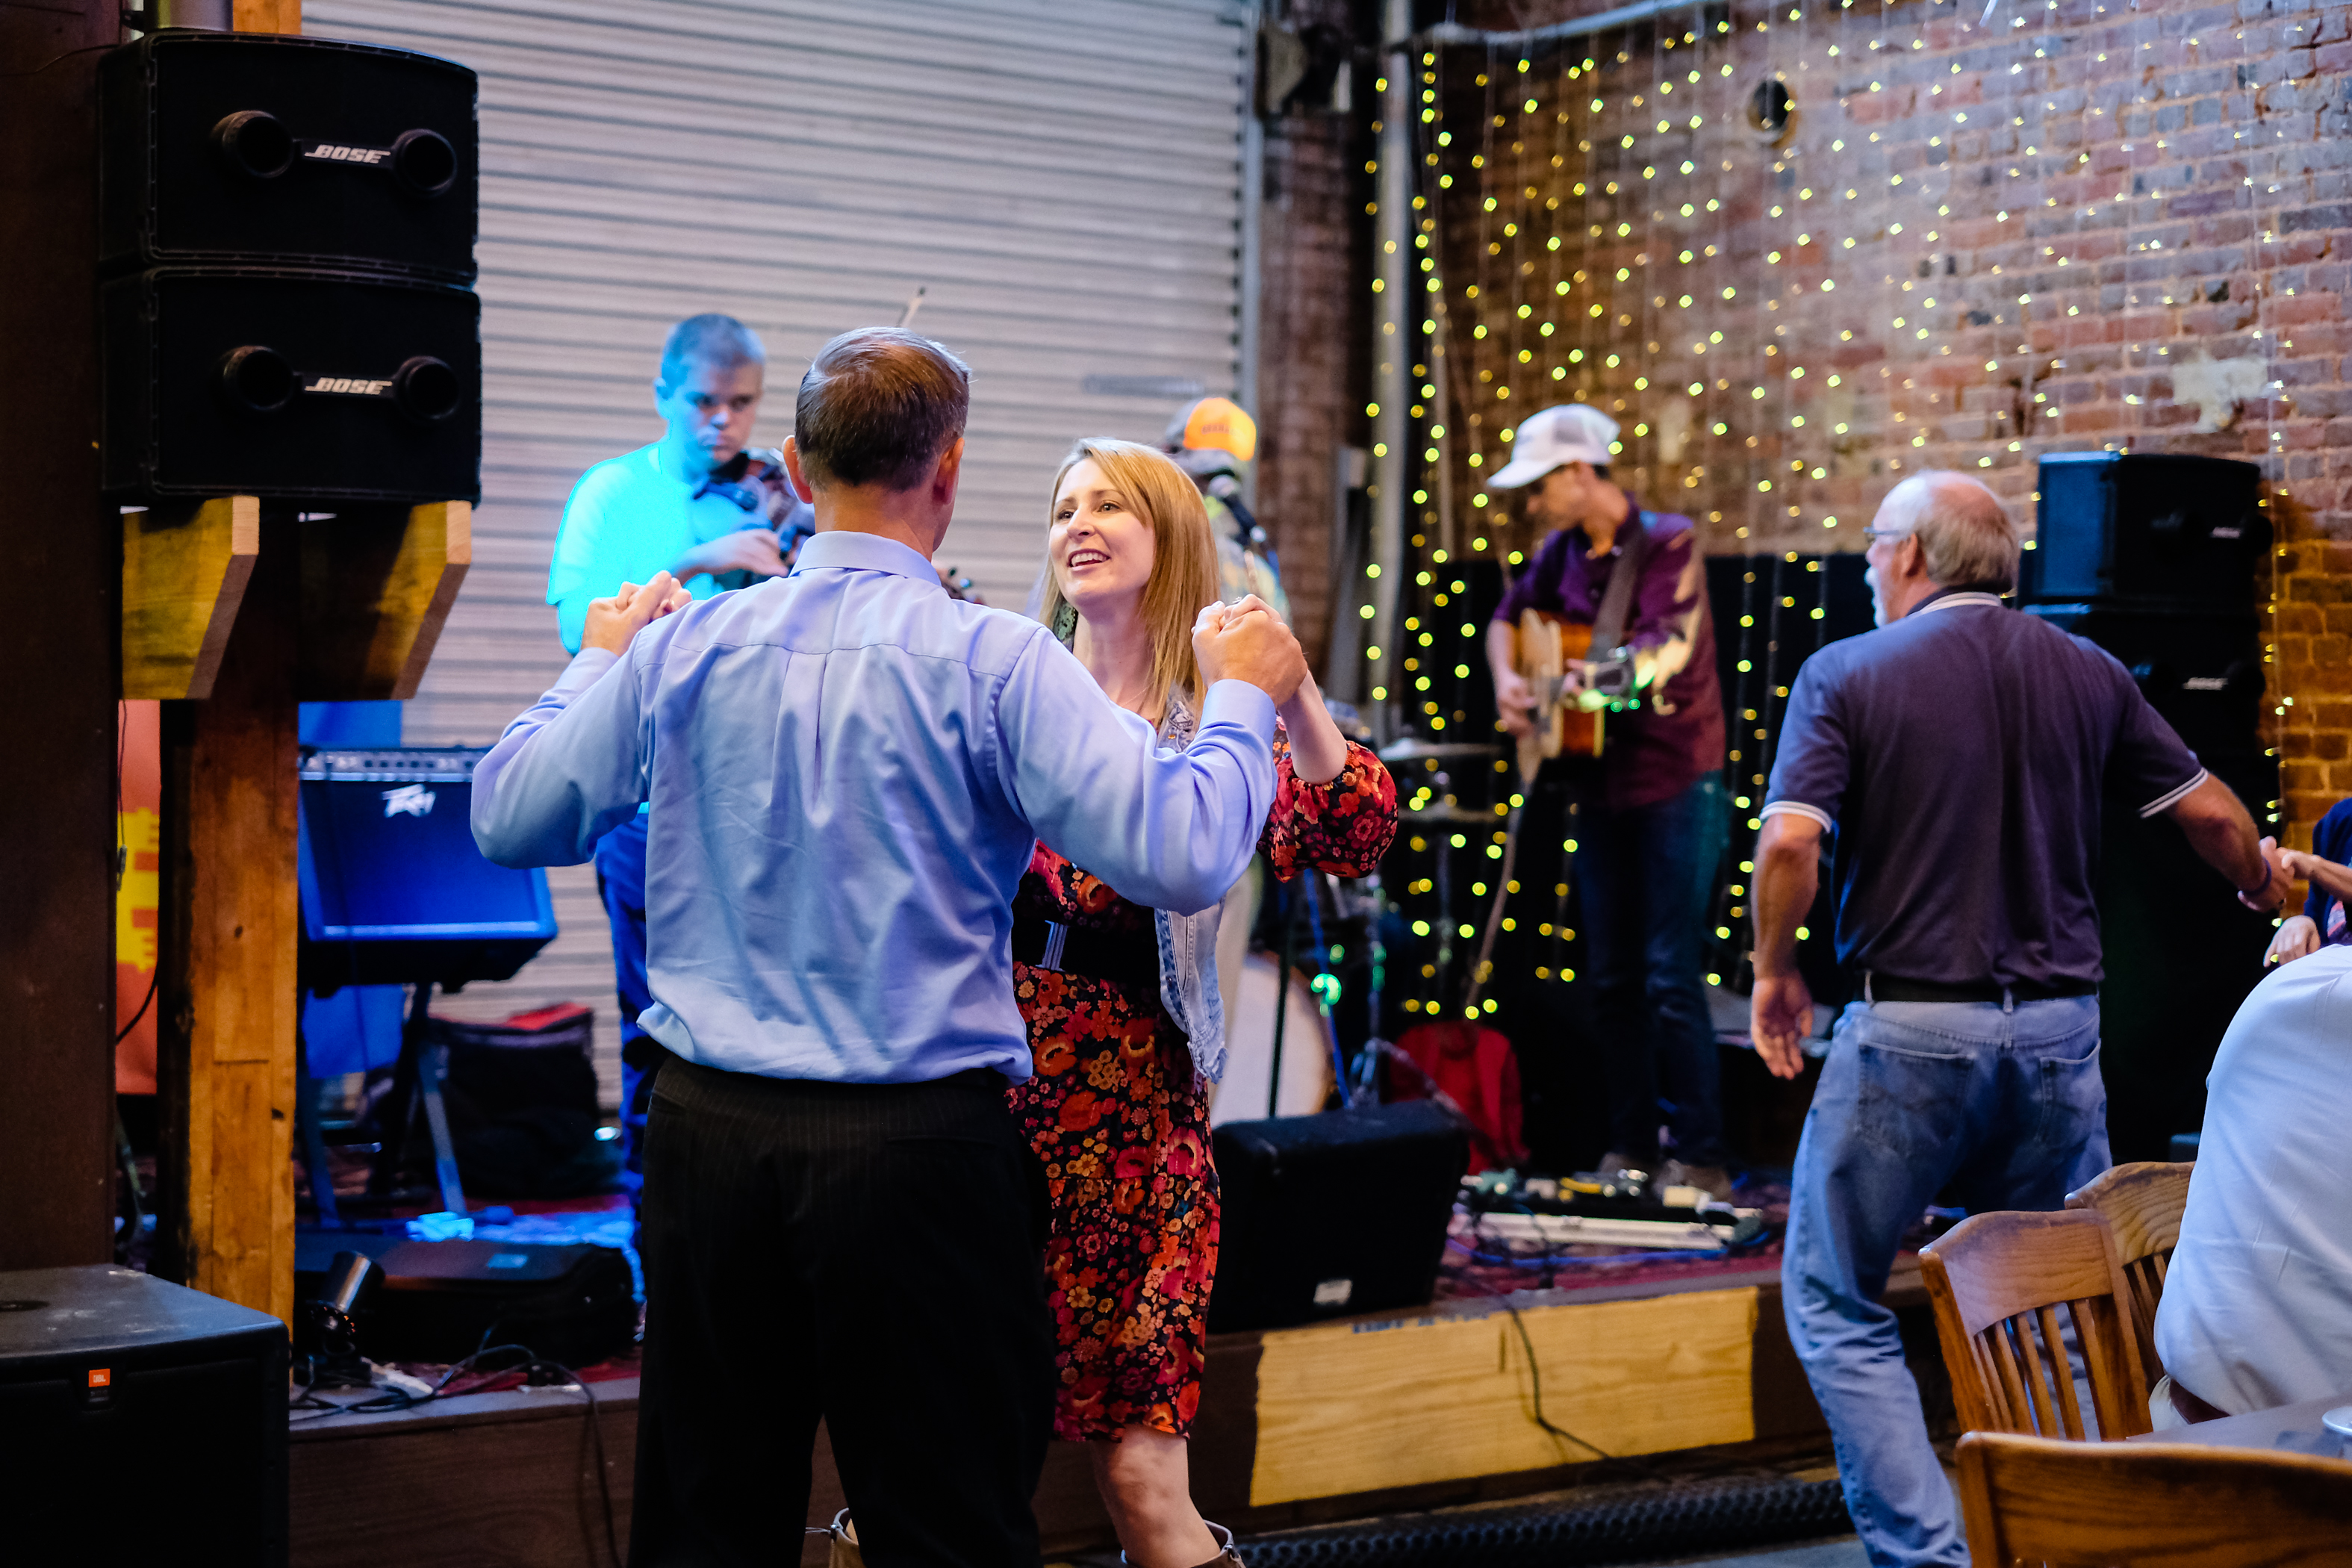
1894	988
1123	957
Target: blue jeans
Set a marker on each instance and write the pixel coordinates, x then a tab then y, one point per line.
621	883
2004	1106
1643	879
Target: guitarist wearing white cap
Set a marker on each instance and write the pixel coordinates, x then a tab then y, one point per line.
1626	589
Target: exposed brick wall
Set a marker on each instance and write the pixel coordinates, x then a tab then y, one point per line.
2078	225
1314	252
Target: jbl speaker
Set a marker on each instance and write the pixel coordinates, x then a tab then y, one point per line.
392	888
115	1385
310	385
2145	528
271	148
2202	672
1331	1215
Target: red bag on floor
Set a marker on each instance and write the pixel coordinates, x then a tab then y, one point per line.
1476	1069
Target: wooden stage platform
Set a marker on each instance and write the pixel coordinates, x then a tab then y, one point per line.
1345	1419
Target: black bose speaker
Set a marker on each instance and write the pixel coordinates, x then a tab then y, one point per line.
1331	1215
305	385
257	147
2202	672
139	1423
2149	527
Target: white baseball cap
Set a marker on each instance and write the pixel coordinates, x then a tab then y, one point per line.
1571	433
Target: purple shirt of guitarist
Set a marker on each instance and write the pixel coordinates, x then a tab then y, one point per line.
1677	736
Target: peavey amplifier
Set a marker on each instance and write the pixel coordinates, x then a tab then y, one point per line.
302	386
393	886
1332	1215
226	148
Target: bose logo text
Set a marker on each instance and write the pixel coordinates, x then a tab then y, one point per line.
349	385
335	152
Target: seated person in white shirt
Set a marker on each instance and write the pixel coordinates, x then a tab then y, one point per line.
2257	1308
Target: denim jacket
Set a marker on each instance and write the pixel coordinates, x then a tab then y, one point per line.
1188	946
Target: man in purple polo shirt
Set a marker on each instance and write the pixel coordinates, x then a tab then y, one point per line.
1653	830
1959	754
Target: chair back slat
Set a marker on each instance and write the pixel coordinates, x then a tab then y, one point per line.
2070	1408
1996	1281
2153	1505
2142	1204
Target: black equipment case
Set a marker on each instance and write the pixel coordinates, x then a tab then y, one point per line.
443	1301
1330	1215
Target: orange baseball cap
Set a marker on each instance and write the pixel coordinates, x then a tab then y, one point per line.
1215	423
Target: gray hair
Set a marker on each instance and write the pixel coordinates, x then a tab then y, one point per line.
1964	532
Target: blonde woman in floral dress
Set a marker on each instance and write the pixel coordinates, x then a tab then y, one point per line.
1122	1001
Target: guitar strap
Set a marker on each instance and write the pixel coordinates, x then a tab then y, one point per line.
1617	599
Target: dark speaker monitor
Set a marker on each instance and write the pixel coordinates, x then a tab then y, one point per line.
305	385
256	147
393	886
2203	673
2145	526
1333	1214
139	1423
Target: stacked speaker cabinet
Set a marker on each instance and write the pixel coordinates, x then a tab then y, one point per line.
287	255
2157	559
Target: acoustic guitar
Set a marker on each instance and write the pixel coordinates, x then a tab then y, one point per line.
1567	722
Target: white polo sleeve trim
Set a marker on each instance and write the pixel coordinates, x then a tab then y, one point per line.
1798	808
2166	801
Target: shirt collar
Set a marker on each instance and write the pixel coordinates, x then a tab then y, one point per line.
1617	541
1952	598
846	550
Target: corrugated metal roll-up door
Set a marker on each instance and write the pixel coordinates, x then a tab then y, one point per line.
1062	178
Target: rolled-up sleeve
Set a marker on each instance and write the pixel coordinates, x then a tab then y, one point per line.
1815	757
568	771
1171	830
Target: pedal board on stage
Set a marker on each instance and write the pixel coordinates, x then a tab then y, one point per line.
570	1304
1590	1209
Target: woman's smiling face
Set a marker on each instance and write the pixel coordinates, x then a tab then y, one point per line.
1101	549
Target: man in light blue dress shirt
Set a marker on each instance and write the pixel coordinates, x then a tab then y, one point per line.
848	771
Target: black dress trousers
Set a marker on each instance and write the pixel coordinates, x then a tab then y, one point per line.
868	1254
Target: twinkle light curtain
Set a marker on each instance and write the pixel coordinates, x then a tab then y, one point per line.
1801	250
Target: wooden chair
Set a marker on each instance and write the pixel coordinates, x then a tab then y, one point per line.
2141	1204
2152	1505
1996	1281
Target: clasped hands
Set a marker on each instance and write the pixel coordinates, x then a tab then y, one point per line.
613	622
1247	641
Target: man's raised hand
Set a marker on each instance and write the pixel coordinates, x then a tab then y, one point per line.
613	622
1247	642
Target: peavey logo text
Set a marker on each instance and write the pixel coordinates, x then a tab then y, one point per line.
348	385
342	153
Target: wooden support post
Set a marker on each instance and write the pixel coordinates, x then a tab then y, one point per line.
226	1062
56	805
377	585
265	15
184	568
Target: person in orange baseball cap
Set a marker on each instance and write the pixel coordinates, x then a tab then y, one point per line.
1211	440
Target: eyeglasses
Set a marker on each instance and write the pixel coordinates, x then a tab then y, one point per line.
1876	534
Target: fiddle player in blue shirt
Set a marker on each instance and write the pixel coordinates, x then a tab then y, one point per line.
703	506
848	774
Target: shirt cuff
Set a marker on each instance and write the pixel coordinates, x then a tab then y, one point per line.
587	667
2171	798
1798	808
1239	702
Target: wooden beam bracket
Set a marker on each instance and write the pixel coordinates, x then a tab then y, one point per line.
184	569
377	585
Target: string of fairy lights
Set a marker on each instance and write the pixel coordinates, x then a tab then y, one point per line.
1738	229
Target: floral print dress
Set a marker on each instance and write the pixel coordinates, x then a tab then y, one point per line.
1119	1118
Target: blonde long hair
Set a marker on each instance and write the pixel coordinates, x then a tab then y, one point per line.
1184	553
